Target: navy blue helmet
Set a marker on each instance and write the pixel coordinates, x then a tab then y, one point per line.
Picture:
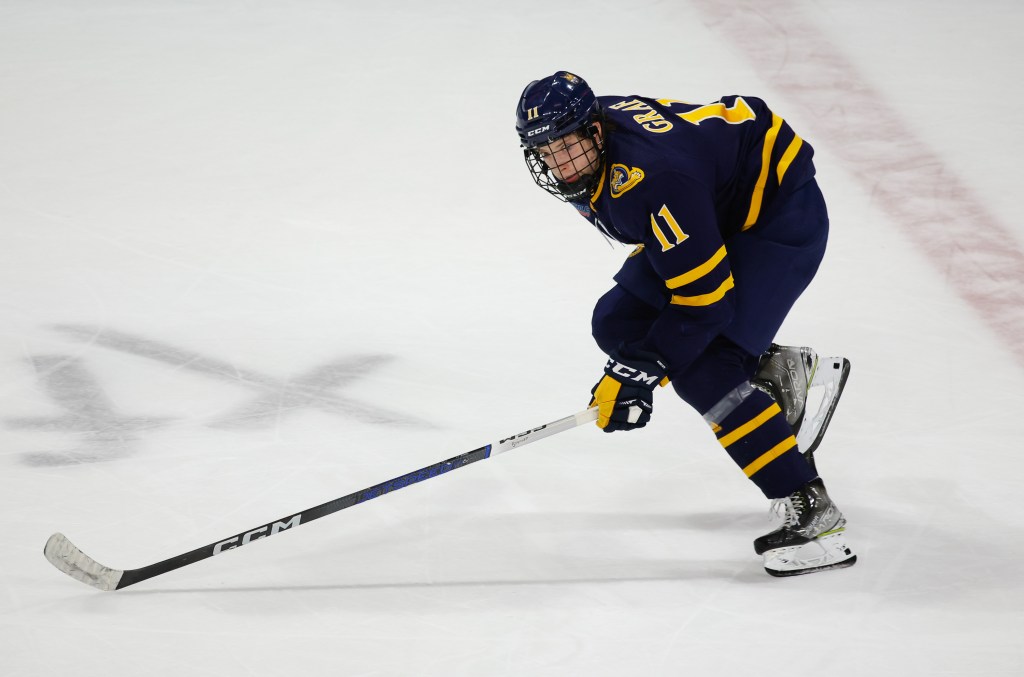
551	108
554	106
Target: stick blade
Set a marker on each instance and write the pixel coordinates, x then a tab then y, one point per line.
66	556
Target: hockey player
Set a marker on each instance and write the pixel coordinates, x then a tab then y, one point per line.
729	226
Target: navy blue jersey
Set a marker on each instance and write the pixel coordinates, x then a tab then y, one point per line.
680	180
732	156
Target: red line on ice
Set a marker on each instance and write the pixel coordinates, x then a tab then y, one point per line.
976	253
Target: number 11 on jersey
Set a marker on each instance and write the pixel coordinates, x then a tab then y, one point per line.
673	227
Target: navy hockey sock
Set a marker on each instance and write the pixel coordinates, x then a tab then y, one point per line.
758	438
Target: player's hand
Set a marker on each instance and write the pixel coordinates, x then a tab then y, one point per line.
625	397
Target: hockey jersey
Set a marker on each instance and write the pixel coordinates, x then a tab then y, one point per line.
680	180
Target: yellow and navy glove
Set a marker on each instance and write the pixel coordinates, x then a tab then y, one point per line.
625	396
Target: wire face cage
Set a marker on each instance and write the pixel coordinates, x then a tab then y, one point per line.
577	156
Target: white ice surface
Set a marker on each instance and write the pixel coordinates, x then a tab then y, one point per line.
259	255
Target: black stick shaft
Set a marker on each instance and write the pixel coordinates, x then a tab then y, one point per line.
68	558
132	576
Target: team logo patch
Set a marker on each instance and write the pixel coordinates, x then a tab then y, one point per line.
623	178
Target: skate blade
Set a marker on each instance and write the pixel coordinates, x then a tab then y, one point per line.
800	572
831	373
821	554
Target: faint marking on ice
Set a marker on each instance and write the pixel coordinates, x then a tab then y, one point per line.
946	221
103	433
312	389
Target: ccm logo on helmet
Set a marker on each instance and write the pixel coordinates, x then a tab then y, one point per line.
631	374
537	131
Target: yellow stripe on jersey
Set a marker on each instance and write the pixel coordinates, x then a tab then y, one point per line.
762	179
704	299
698	272
751	425
770	455
788	156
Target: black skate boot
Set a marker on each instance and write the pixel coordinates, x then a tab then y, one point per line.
788	374
785	373
812	536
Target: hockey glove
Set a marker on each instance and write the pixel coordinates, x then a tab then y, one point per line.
625	397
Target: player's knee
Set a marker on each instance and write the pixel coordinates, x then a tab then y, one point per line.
722	367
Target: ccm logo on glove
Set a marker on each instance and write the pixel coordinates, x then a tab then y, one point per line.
630	374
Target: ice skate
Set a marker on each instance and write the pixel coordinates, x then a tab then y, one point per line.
793	376
812	535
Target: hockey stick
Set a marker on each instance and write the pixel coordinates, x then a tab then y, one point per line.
64	555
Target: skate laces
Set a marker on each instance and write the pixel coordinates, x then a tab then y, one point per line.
786	511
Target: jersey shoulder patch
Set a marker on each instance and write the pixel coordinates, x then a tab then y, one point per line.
623	177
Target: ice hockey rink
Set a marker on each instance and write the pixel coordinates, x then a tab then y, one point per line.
256	256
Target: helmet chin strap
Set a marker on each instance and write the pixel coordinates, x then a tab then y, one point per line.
575	191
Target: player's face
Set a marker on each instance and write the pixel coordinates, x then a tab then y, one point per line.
571	157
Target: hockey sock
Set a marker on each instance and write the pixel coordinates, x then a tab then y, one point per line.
757	437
